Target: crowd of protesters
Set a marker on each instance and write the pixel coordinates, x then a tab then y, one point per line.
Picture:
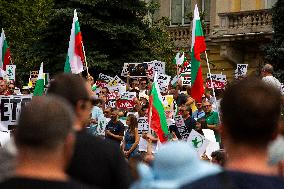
244	117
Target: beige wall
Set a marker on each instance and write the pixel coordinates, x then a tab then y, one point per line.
165	8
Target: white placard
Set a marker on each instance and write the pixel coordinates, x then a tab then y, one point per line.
11	108
198	142
241	70
11	72
105	78
143	125
128	95
186	80
163	81
102	122
179	121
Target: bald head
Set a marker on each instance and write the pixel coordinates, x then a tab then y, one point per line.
268	68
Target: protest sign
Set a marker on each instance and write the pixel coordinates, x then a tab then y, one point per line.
119	88
101	84
181	127
119	81
124	71
128	95
125	104
143	125
116	81
179	121
11	108
155	66
111	103
163	82
185	70
168	102
241	70
112	96
158	66
137	69
11	72
219	81
33	77
102	122
106	78
186	80
198	142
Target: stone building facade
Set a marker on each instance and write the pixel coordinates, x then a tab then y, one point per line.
235	30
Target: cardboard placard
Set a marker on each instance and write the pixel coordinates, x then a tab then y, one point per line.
128	95
186	80
106	78
163	81
125	104
179	121
198	142
11	108
219	81
143	125
241	70
11	72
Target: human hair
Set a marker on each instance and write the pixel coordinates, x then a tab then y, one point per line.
268	68
219	156
70	87
250	112
133	123
97	101
44	124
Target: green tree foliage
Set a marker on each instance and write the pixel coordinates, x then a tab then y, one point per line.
275	51
113	31
22	20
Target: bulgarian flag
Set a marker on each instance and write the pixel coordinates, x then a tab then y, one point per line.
157	116
39	86
75	58
197	47
175	60
5	56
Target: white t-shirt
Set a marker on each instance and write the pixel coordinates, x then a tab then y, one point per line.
272	81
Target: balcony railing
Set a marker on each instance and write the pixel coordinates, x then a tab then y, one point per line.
181	35
244	22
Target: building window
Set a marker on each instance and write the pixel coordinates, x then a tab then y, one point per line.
269	3
179	12
206	9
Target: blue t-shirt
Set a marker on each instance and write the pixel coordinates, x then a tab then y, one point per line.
238	180
116	128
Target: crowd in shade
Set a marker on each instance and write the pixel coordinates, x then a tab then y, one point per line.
77	136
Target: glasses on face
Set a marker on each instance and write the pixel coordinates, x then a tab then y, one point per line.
143	83
206	106
11	87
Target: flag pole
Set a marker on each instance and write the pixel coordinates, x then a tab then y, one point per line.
83	48
211	81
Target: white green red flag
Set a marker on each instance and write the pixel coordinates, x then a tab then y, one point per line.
175	60
5	56
75	59
157	116
198	46
39	86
